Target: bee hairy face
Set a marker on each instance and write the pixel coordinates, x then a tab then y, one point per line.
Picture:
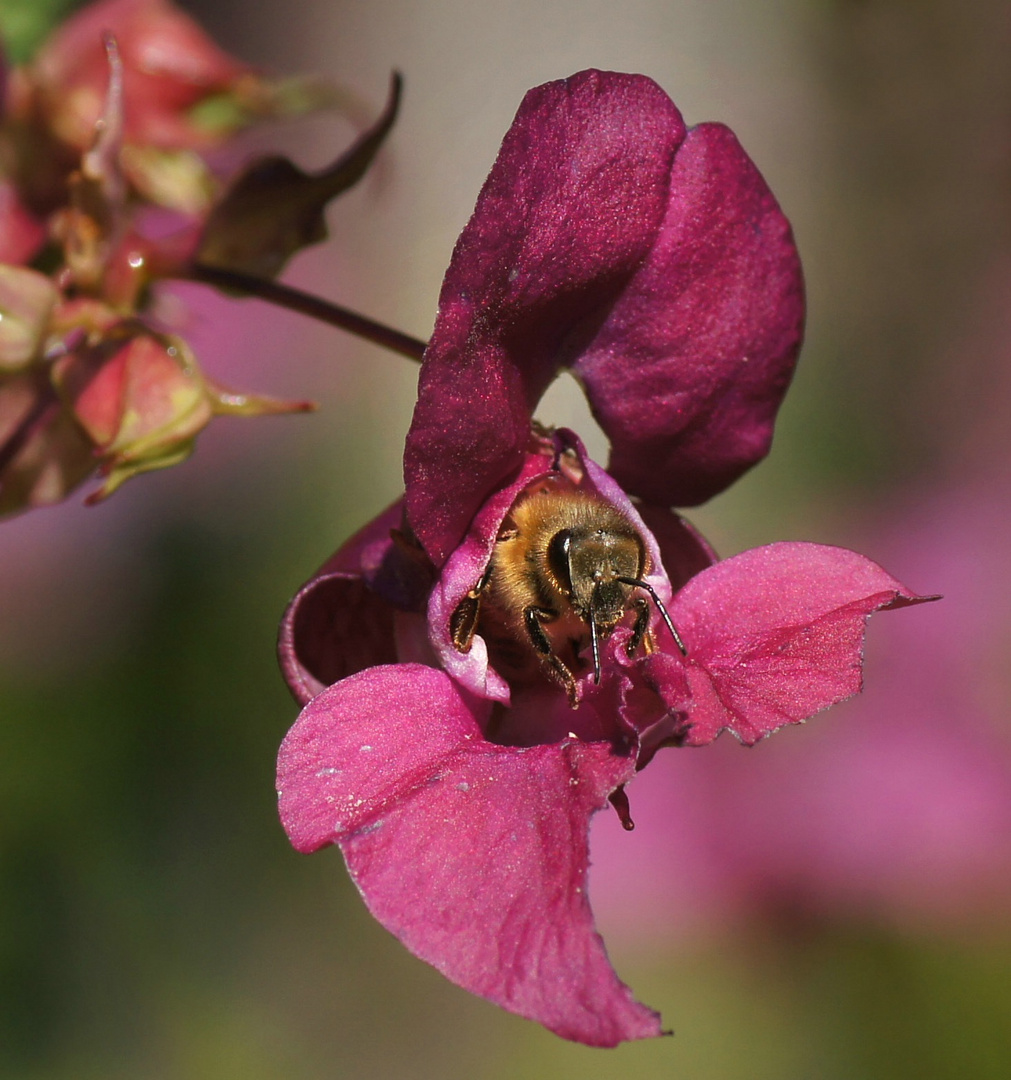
587	563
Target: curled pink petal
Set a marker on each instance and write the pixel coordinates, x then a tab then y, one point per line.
774	635
343	619
336	625
474	855
463	571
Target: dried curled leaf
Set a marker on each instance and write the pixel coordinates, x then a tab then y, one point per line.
274	208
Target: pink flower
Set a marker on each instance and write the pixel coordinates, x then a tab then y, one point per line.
469	736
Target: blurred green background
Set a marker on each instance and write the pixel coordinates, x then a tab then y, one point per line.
153	920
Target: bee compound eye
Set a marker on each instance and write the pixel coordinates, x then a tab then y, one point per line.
558	558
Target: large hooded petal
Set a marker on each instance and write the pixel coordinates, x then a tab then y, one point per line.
474	855
774	635
657	265
688	371
569	211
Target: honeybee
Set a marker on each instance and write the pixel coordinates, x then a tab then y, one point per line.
563	574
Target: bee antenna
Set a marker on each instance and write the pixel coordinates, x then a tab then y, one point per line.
595	644
640	584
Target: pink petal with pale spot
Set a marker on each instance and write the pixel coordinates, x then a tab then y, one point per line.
474	855
774	635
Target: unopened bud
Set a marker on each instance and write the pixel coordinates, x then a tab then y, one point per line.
143	401
27	299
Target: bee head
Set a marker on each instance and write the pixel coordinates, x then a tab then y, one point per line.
597	569
589	566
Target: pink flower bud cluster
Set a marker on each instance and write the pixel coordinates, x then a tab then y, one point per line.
105	189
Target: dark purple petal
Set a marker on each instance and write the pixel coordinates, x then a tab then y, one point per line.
688	371
474	855
684	551
570	209
774	636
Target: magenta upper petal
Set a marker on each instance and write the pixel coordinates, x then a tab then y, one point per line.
474	855
690	367
774	635
684	551
571	208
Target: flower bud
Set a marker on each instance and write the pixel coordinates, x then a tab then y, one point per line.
27	299
170	66
143	400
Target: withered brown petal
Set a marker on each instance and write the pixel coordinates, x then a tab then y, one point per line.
274	208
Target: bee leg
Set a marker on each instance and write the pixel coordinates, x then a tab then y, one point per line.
640	628
463	621
533	620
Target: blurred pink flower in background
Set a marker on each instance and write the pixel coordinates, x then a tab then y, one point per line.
90	381
182	94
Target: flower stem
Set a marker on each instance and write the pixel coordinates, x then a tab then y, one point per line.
40	413
296	300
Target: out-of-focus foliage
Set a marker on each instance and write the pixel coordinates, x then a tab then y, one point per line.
24	23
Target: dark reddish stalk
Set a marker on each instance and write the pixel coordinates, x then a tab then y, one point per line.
296	300
37	417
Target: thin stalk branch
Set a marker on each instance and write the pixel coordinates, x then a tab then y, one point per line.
45	404
296	300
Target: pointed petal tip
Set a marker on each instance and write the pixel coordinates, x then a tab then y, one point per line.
775	635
